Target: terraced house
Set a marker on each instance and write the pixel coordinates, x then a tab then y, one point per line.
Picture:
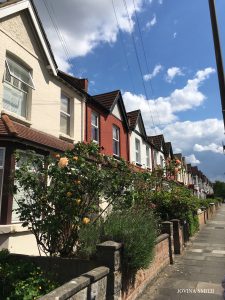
40	108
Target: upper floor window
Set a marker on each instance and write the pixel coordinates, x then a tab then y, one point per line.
65	115
17	83
138	151
147	157
95	127
161	162
116	141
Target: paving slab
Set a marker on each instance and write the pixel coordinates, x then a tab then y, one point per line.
199	272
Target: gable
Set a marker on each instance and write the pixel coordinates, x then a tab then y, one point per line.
116	112
18	27
9	23
139	127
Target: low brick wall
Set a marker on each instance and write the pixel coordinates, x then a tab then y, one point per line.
91	285
143	277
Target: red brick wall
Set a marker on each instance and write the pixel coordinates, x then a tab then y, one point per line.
106	123
201	219
144	276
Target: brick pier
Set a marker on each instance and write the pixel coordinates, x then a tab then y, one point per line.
199	272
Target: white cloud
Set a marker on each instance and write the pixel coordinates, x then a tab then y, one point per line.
172	73
186	135
82	31
174	35
211	147
165	109
191	159
152	22
154	73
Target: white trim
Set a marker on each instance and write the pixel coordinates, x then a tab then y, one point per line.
22	5
16	117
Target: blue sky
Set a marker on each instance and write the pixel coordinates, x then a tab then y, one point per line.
180	76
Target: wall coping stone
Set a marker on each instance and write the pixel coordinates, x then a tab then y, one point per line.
162	237
68	289
110	245
96	274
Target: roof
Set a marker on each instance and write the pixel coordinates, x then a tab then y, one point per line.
157	141
168	149
107	100
12	129
134	117
11	6
80	84
178	156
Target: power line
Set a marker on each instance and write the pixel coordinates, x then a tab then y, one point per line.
60	36
138	61
123	46
145	58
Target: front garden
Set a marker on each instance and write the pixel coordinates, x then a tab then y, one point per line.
75	200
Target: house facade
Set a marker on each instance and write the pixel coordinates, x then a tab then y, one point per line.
107	124
39	108
158	150
140	149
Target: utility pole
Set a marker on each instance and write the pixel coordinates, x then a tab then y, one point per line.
218	54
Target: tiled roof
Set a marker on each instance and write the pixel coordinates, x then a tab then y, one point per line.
178	156
157	140
189	168
168	149
9	128
80	84
194	170
106	99
133	117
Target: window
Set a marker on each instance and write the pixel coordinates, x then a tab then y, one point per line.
2	163
147	157
155	157
17	83
138	151
95	127
116	141
161	162
65	115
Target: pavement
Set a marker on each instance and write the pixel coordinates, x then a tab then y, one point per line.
199	272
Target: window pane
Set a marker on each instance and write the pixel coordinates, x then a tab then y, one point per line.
65	107
2	153
115	147
14	100
94	119
116	133
64	124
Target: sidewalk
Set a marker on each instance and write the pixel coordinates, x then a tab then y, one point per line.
201	267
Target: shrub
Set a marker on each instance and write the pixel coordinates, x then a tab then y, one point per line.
137	231
193	222
21	280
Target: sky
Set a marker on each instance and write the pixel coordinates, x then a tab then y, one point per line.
160	54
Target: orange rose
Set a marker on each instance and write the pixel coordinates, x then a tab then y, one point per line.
86	220
63	162
75	158
78	201
77	181
69	194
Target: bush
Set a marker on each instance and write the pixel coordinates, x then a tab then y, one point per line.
137	231
193	222
21	280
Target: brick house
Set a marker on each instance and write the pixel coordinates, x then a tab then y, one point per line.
41	108
107	124
140	149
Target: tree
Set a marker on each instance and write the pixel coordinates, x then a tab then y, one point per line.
219	189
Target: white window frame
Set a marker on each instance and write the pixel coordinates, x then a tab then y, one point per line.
147	156
117	141
138	151
68	115
14	82
96	126
1	183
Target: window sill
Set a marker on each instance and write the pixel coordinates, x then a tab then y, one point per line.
16	117
12	228
138	164
116	157
66	137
